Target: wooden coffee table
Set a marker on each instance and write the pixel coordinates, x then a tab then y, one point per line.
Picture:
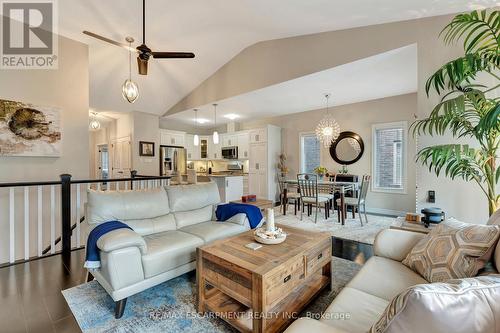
262	290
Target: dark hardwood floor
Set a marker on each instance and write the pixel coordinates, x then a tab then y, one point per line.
31	298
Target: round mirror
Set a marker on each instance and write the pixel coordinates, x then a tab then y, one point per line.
347	149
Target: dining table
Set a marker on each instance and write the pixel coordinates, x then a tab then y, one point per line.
331	186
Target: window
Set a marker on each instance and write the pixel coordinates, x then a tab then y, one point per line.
310	149
389	157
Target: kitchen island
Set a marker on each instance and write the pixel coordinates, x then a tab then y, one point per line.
230	186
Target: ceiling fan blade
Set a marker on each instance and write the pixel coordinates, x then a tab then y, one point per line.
107	40
142	65
163	55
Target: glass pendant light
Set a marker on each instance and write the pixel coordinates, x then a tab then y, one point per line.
94	123
130	91
215	136
328	129
196	139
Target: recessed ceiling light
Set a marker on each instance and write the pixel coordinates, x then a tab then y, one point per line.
202	121
231	116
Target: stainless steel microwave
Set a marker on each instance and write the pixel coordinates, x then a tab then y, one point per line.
230	153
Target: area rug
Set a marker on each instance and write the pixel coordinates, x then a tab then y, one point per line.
171	306
351	230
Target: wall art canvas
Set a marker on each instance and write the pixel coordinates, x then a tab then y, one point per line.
29	130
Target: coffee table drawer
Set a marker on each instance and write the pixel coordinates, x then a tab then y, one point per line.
279	284
317	259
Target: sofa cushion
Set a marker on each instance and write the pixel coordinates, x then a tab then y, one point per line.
189	197
495	220
146	211
385	278
168	250
305	324
462	306
195	216
453	250
210	231
354	311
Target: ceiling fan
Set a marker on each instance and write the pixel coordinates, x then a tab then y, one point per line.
144	52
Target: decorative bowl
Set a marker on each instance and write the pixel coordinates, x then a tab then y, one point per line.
269	237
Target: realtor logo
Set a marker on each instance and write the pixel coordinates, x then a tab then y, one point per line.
29	35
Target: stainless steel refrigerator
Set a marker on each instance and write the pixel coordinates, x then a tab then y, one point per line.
173	161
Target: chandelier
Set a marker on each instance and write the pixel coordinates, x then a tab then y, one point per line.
94	123
130	91
328	129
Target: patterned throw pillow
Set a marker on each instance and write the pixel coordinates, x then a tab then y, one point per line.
465	305
453	250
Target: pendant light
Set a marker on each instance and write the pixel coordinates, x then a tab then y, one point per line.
328	129
215	136
196	139
130	91
94	123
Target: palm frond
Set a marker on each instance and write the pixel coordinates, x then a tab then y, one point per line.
480	29
458	114
459	72
490	120
457	161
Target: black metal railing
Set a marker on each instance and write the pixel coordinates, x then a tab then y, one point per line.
65	183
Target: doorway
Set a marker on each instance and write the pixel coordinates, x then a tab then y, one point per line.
102	171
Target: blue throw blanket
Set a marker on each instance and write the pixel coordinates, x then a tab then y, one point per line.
227	211
93	259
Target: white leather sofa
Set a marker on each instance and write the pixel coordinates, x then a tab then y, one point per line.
362	302
168	225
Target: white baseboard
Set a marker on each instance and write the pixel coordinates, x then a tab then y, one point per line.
385	211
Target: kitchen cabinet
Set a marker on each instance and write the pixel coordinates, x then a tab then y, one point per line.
229	140
258	135
264	151
172	138
204	142
214	150
243	145
192	151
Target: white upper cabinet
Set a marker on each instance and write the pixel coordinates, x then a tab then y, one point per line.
192	151
172	138
243	145
258	135
214	150
229	140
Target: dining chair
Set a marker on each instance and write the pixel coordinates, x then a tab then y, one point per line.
309	194
356	203
291	196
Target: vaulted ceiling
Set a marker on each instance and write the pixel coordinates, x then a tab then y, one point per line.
216	31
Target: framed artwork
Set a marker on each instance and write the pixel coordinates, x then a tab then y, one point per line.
146	148
29	130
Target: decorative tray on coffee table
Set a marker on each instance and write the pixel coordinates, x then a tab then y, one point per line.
269	237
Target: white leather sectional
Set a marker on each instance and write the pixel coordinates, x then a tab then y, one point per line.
168	225
362	302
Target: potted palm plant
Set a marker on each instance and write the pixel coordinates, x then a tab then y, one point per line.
467	109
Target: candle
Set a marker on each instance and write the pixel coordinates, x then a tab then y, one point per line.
270	219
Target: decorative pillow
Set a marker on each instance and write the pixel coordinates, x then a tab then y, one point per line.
460	306
453	250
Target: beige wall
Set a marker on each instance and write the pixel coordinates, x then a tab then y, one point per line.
68	89
358	118
145	128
